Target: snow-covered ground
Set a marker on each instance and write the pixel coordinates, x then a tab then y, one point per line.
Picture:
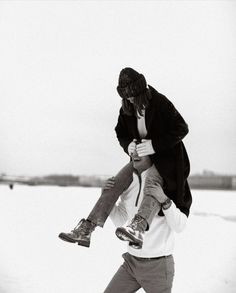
34	260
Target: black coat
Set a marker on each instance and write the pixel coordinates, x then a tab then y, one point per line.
166	128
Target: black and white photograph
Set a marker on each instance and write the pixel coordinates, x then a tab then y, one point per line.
118	146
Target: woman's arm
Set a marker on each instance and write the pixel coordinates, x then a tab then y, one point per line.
122	133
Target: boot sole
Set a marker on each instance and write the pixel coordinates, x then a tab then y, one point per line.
122	234
135	245
64	237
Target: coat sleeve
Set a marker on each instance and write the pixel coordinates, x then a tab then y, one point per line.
175	127
122	133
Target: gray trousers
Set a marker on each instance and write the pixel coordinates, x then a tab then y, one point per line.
153	185
153	275
108	198
149	206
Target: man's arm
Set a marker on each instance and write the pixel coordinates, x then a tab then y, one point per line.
175	218
119	215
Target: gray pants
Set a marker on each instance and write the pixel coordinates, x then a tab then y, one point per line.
149	206
108	198
153	275
152	189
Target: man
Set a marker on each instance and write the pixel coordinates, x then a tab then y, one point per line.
150	267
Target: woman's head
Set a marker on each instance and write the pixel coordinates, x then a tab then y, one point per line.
132	87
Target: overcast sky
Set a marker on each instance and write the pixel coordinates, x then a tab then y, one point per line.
59	66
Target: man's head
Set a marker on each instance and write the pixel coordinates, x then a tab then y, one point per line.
142	163
132	88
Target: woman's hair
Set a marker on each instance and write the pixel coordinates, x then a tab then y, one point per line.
140	103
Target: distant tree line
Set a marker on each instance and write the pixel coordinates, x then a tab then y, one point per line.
198	181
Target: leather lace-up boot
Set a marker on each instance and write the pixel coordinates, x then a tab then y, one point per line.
133	232
81	234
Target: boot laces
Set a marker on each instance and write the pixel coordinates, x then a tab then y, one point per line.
83	227
136	223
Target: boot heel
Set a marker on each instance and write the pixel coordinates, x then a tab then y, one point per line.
83	243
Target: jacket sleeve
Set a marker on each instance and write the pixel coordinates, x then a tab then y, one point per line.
175	127
122	133
175	218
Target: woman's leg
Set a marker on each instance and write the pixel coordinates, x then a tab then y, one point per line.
150	206
108	198
81	234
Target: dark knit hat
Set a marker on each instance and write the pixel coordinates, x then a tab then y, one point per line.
131	83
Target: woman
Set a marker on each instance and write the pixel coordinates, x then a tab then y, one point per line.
149	117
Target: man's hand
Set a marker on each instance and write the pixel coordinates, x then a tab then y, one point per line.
109	183
145	148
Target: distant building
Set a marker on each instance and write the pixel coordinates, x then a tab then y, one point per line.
212	181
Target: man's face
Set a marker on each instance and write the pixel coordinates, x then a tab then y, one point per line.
142	163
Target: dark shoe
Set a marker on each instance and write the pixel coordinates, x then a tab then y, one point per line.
81	234
133	232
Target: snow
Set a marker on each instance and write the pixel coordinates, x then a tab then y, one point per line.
35	260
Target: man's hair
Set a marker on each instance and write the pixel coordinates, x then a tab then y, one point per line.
140	103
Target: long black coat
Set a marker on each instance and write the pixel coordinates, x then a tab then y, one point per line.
166	128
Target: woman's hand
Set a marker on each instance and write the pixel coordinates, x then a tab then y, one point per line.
145	148
132	147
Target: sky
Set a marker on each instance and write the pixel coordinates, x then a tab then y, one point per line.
59	68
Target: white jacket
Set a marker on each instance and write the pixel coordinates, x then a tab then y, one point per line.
159	239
